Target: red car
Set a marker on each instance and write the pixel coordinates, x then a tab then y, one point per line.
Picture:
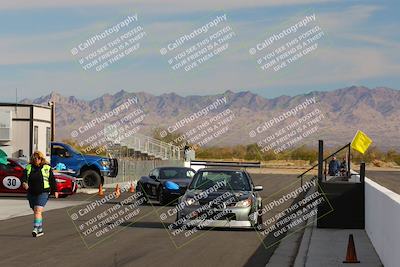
11	175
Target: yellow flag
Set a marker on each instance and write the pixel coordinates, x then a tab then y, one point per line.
361	142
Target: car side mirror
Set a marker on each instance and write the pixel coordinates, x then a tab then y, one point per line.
258	188
153	177
67	154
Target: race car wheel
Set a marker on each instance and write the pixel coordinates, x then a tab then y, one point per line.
259	225
91	179
161	197
139	188
177	225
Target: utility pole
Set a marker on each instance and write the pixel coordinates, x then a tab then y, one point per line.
53	118
16	102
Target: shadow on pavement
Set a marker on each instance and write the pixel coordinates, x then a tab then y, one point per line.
151	225
264	252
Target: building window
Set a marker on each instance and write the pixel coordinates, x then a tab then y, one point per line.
5	125
48	141
36	138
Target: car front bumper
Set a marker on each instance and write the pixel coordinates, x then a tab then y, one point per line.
67	188
105	173
220	223
231	217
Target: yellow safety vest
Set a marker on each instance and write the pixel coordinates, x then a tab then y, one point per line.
45	173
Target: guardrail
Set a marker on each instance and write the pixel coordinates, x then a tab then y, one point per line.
325	162
199	164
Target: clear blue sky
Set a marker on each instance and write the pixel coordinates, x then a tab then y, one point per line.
361	47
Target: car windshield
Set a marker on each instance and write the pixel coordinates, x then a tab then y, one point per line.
22	162
230	180
72	149
176	173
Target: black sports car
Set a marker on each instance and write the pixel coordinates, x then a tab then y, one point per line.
166	184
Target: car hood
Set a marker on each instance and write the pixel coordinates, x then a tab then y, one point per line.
180	182
58	175
222	194
92	158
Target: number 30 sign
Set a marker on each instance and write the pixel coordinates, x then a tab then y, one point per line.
11	182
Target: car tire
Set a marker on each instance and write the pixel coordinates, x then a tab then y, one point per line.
139	188
91	179
259	225
177	225
161	197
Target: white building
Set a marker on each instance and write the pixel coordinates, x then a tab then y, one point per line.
25	128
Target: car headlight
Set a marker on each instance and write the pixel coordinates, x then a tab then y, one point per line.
105	163
60	181
244	203
191	201
171	185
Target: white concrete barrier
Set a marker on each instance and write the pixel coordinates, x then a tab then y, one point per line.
188	164
382	222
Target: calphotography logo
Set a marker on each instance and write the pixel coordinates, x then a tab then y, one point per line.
199	46
288	45
111	45
103	217
116	126
287	129
202	127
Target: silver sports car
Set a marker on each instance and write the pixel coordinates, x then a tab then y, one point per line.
220	198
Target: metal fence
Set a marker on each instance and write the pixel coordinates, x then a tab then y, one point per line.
130	170
142	146
152	147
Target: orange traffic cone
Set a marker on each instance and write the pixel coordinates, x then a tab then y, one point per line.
351	256
100	193
132	188
117	191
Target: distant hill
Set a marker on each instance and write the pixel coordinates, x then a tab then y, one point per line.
375	111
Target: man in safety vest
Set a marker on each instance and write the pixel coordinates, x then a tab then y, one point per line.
39	180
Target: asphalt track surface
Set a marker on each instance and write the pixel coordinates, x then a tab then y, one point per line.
144	243
388	179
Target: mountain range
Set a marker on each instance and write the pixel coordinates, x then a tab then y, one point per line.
375	111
